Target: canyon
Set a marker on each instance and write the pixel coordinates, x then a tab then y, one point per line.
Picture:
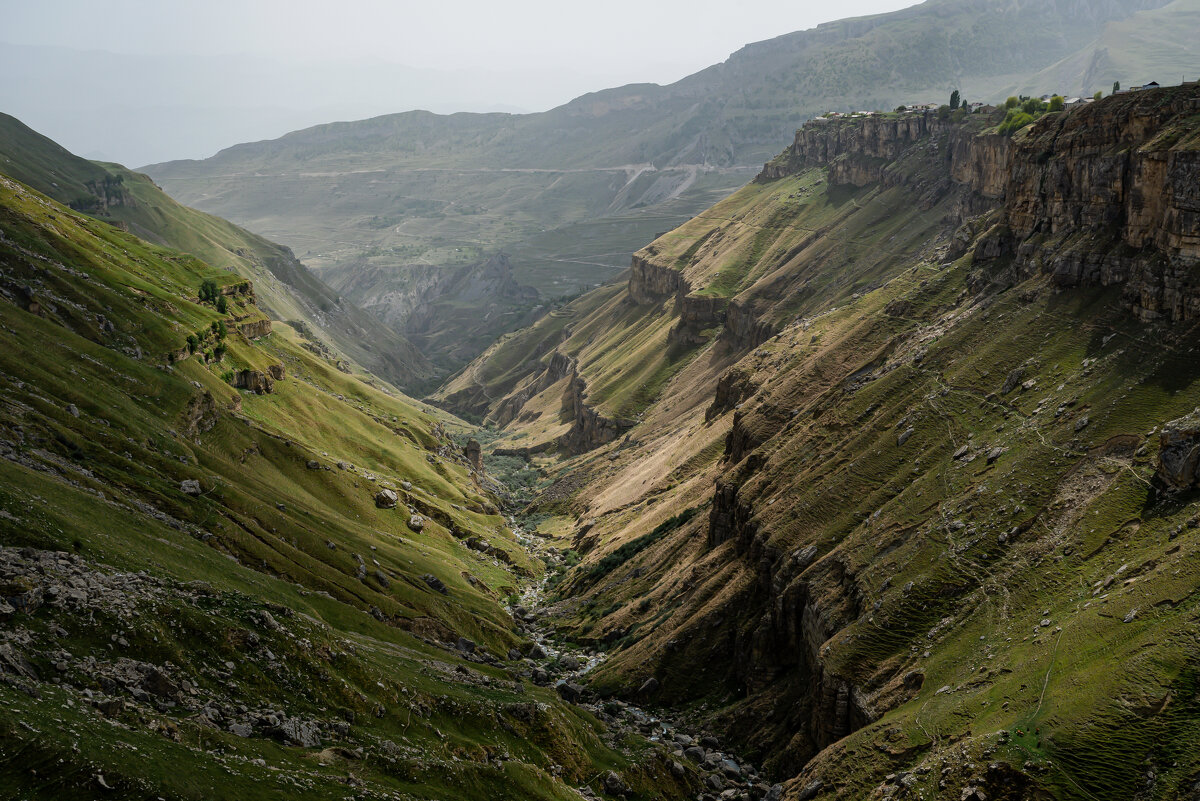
867	472
902	313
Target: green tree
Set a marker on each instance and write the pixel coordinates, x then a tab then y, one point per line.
1014	121
1056	103
1116	87
222	304
209	291
1012	102
1033	106
1098	95
192	343
954	99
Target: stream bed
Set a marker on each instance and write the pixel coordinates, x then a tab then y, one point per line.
565	666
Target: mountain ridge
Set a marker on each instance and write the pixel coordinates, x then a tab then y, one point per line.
286	288
562	193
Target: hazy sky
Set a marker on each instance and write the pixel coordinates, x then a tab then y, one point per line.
655	40
142	81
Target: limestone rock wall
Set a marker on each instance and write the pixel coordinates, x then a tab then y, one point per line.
651	283
1110	194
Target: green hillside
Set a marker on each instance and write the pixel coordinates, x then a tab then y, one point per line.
202	597
286	289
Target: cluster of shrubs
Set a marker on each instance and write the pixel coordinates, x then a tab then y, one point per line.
1023	110
211	293
632	548
218	330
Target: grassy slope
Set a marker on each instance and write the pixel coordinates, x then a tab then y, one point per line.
286	289
96	442
1064	526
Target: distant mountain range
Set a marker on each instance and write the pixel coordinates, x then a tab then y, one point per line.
570	193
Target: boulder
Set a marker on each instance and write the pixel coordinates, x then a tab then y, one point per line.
1013	381
301	732
386	499
648	686
810	791
569	691
13	661
1179	452
190	486
416	523
435	583
613	784
241	729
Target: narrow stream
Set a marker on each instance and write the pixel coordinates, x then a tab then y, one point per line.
565	666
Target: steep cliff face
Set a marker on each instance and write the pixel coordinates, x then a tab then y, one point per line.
1110	194
589	428
696	315
650	282
919	149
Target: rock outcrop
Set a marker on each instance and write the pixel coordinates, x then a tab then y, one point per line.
256	381
799	593
1179	453
255	328
743	329
1110	194
1101	195
589	428
696	314
653	283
